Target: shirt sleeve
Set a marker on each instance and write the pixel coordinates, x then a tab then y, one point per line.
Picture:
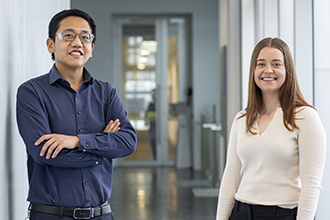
312	151
231	177
32	121
111	145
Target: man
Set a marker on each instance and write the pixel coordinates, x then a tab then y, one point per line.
69	122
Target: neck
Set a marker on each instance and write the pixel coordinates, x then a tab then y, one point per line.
271	102
73	76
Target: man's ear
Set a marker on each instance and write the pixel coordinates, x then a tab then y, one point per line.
93	45
50	45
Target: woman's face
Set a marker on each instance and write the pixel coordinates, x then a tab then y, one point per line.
270	72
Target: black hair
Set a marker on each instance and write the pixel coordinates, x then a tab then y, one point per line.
54	24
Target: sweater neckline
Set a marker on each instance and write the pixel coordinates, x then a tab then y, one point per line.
268	126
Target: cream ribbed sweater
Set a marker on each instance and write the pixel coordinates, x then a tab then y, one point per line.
278	167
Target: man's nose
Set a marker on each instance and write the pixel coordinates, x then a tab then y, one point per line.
76	41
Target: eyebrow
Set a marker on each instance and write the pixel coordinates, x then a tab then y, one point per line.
272	60
75	32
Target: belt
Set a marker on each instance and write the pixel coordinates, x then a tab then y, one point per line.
262	210
76	213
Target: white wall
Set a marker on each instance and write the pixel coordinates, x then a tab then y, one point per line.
23	54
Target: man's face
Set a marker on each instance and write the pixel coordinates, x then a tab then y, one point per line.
71	55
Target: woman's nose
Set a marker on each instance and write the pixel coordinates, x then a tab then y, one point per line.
269	69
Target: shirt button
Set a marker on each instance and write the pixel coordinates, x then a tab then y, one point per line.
84	150
80	130
86	183
77	95
79	112
96	162
79	158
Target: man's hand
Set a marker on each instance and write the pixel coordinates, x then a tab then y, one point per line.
55	143
112	126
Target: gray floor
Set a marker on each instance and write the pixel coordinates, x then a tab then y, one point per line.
162	194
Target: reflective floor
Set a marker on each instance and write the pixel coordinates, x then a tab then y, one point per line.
154	194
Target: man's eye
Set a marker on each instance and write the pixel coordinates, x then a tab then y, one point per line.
68	35
85	37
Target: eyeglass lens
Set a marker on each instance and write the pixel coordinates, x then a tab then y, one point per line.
70	36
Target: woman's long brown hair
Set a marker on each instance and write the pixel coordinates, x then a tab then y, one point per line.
290	96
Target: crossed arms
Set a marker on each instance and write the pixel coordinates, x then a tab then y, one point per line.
54	143
50	134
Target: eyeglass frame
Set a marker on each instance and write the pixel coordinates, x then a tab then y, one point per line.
60	36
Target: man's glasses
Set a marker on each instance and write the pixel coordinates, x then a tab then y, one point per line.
68	35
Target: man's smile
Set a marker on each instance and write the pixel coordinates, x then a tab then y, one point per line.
76	52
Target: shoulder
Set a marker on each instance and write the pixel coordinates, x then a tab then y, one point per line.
240	118
102	84
32	88
241	115
305	111
307	117
39	81
105	89
238	123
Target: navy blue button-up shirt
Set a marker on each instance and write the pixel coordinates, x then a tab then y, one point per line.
80	177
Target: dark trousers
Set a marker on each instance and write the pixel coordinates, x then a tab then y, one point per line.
243	211
44	216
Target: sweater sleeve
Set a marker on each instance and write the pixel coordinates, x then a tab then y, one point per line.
312	151
231	177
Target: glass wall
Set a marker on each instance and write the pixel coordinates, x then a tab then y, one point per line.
139	77
153	72
291	20
305	26
321	87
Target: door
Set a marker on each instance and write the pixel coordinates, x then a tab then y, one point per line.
151	67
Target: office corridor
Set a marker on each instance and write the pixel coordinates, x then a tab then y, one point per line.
162	194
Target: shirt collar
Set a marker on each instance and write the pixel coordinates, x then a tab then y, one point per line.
54	75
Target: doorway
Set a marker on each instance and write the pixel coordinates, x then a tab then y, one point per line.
153	68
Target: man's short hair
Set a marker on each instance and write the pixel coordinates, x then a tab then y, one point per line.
54	24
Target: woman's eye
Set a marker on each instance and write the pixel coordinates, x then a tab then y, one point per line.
277	64
260	64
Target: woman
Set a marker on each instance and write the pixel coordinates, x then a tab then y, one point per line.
276	149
